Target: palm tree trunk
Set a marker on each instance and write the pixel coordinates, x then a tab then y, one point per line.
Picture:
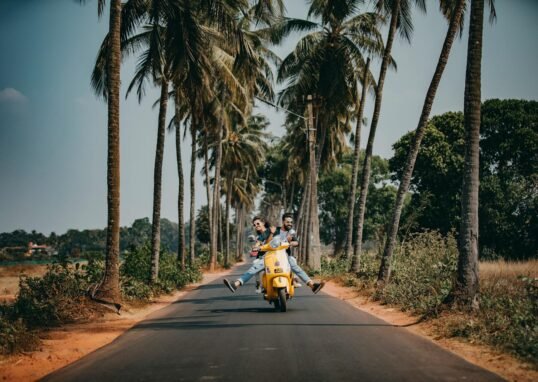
109	288
384	270
192	233
465	292
216	205
157	184
208	185
290	204
229	186
238	232
220	235
356	158
366	167
181	191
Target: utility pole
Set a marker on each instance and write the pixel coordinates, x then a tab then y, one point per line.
313	248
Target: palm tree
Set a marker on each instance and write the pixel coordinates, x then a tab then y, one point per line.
109	288
153	64
243	150
326	64
356	154
181	191
190	53
455	15
465	290
400	19
241	71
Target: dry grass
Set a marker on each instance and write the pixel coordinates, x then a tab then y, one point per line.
508	270
9	278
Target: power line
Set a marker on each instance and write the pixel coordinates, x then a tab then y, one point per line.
279	107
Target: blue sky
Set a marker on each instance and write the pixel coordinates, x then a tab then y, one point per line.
53	128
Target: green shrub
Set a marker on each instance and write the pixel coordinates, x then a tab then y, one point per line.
202	255
95	268
422	272
55	298
369	267
331	267
133	289
135	274
14	335
171	276
137	263
507	318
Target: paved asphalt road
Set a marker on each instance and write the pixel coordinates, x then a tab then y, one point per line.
212	334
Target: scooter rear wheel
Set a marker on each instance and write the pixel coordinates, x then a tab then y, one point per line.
282	299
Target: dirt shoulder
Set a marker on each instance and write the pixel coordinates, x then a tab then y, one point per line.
502	364
64	345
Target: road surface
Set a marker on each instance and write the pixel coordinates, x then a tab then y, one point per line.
214	335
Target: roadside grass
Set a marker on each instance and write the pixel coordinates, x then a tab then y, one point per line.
423	272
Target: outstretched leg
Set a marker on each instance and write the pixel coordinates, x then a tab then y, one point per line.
257	267
315	286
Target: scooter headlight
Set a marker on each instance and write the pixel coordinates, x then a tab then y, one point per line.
275	243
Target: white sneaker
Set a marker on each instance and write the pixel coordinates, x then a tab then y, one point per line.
259	290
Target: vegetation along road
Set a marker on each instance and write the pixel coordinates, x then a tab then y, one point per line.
215	335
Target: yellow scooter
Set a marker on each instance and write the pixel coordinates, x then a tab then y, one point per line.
277	279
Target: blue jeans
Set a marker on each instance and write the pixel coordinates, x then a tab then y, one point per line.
298	270
258	265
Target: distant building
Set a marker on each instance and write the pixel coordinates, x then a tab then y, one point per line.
35	249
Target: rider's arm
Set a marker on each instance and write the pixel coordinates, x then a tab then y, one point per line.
293	240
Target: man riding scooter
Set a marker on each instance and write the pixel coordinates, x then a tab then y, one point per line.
285	232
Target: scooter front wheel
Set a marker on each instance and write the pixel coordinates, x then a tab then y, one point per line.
282	299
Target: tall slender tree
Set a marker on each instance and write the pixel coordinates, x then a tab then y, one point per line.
153	65
192	220
181	185
108	289
355	169
466	289
456	17
400	19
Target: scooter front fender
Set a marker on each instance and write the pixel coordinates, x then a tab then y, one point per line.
281	282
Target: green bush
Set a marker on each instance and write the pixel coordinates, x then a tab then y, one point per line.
135	274
171	276
507	318
95	268
137	263
14	335
202	255
332	267
422	272
55	298
133	289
